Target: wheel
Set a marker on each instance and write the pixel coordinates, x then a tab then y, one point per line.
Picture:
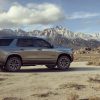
2	68
63	63
13	64
50	66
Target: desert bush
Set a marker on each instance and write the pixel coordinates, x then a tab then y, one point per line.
94	61
73	96
88	49
45	94
90	63
72	85
12	98
91	98
95	79
2	79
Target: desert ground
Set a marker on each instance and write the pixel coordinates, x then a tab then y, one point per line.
80	82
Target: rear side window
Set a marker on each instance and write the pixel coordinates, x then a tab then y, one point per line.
5	42
25	42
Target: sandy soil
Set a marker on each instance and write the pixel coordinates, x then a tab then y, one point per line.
40	83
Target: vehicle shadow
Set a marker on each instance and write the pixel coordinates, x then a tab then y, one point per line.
85	68
46	70
72	69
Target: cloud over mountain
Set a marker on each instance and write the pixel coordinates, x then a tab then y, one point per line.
18	15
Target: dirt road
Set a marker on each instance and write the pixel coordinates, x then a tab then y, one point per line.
39	83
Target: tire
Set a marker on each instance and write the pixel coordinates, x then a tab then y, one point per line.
2	68
13	64
63	63
50	66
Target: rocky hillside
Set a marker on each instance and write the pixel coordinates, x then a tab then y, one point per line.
59	36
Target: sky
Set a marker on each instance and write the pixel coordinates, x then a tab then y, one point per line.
76	15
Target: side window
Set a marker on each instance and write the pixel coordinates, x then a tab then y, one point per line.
40	43
5	42
25	42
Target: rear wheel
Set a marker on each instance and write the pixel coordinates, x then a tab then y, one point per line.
13	64
50	66
63	63
2	68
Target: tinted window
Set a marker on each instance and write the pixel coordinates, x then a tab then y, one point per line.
5	42
41	43
25	42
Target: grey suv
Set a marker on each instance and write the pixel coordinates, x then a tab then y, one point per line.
27	51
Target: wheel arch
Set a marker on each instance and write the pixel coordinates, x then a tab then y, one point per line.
64	54
15	55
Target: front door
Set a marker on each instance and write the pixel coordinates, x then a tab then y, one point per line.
46	54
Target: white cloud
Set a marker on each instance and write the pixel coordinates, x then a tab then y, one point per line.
82	15
19	15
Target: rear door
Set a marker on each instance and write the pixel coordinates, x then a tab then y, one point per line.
26	50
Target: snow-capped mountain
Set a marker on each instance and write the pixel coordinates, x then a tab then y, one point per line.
58	31
7	32
59	36
63	32
96	36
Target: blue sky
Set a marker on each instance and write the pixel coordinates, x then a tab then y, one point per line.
77	15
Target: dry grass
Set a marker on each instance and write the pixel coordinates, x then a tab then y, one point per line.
73	96
72	85
90	98
94	98
95	79
11	98
2	79
88	54
84	57
45	94
90	63
92	59
94	62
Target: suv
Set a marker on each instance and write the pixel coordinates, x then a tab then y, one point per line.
26	51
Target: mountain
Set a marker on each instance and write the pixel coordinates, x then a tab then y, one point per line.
59	36
7	32
63	32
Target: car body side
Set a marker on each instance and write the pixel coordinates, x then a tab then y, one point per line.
33	55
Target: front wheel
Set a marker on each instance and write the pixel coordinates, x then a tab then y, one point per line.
13	64
63	63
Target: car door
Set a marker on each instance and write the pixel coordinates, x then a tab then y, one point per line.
26	50
46	54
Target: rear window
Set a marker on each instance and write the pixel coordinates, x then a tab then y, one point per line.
5	42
